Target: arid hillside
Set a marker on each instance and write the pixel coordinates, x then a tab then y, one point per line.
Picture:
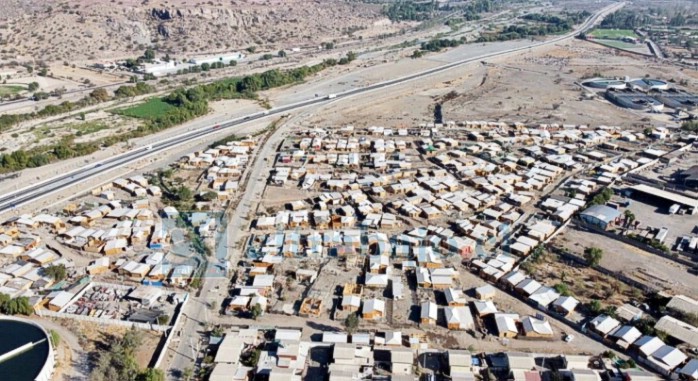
78	30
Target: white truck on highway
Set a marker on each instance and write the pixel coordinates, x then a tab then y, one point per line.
332	96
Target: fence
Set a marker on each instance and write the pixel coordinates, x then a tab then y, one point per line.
175	327
92	319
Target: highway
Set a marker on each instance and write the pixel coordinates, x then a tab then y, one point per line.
57	183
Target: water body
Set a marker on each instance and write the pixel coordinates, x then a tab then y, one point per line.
27	365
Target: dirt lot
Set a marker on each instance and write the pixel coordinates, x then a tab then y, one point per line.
502	90
93	337
655	213
638	264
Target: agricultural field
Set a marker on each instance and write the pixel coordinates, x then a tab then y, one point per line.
613	33
6	90
150	109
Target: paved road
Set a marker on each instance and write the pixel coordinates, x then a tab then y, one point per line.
50	186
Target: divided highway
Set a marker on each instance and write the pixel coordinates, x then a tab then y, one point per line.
55	184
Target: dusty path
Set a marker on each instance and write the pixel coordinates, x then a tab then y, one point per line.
72	360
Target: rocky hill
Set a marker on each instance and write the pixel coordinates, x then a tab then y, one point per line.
78	30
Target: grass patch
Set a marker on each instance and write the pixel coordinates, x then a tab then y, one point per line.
87	128
80	129
619	44
613	33
6	90
151	109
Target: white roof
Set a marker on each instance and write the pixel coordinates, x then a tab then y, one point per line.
460	316
531	324
648	344
428	310
62	299
485	307
529	286
567	303
544	296
604	324
670	356
229	349
263	281
374	305
506	322
627	333
288	334
514	277
351	300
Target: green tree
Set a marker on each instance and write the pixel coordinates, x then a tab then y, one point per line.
256	311
629	217
100	94
33	86
184	194
351	323
16	306
595	306
149	54
282	54
593	256
187	373
563	289
57	273
217	331
251	358
55	338
151	374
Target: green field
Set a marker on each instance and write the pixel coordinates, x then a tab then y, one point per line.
87	128
10	89
152	108
613	33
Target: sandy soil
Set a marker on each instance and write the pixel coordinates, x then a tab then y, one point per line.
638	264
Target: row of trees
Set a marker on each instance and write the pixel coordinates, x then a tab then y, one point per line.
438	44
97	96
410	10
204	67
473	9
15	306
602	197
625	19
690	126
568	19
42	155
548	24
189	104
420	11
